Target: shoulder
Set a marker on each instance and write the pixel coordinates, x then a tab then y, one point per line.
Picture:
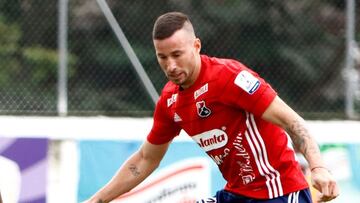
225	65
169	88
168	95
224	69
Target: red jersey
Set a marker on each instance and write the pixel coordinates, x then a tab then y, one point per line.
222	112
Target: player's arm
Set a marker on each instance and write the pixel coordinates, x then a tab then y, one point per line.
281	114
139	166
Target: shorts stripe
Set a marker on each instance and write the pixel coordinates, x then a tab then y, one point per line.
293	197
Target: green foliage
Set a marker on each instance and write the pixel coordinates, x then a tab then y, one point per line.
9	37
295	45
44	64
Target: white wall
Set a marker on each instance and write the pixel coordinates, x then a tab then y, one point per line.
335	131
65	131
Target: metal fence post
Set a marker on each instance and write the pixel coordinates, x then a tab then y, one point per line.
62	105
351	77
129	51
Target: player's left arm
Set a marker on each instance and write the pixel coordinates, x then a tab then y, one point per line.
279	113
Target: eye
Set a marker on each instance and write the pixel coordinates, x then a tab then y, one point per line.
162	57
176	55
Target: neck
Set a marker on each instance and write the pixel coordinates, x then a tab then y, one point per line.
195	74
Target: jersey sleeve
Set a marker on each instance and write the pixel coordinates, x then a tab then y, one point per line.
164	128
247	90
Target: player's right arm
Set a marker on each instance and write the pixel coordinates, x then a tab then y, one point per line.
139	166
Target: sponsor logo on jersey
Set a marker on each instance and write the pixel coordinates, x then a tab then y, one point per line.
212	139
219	158
248	179
171	100
246	171
201	91
248	82
177	118
202	110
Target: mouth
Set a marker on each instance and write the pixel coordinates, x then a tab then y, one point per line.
175	76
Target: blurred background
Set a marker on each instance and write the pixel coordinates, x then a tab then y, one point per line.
78	81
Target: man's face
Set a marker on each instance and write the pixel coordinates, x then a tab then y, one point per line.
177	56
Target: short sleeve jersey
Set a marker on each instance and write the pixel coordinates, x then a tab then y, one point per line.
222	112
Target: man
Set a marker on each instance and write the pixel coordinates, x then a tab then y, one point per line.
234	115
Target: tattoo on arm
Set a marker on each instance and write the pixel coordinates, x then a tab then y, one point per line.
301	137
134	170
99	201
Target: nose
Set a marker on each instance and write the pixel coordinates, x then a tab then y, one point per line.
171	65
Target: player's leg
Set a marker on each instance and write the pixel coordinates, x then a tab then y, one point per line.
223	196
301	196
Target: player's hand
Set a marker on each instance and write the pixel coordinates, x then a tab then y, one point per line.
325	183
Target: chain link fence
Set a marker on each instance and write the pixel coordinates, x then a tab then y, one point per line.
297	46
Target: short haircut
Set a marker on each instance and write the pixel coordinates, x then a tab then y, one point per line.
167	24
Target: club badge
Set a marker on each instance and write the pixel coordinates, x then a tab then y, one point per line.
202	110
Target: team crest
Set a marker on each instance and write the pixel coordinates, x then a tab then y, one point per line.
202	110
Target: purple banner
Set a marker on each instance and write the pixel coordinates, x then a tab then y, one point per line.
23	169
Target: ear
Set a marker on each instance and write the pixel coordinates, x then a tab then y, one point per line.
197	45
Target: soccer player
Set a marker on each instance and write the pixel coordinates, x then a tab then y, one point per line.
234	116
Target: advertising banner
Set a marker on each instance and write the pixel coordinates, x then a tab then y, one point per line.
23	169
182	182
185	174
